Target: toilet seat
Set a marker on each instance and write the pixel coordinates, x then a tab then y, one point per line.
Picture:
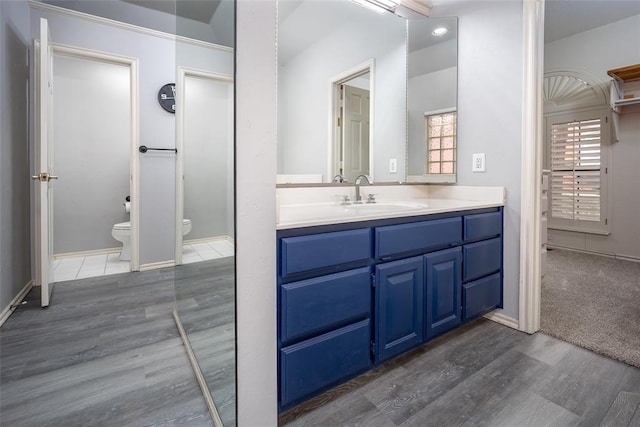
122	226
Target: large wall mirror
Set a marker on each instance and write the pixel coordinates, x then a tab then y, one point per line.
186	177
354	88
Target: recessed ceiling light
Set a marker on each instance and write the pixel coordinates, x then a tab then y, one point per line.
440	31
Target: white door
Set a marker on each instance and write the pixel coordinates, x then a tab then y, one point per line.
44	160
355	132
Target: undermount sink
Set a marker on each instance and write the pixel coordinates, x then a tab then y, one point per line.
386	206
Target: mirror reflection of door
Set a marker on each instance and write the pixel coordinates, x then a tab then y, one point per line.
353	122
355	128
208	161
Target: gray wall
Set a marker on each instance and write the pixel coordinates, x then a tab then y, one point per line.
92	137
490	113
156	66
15	185
593	53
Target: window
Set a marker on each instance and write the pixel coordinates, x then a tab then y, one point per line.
440	142
578	172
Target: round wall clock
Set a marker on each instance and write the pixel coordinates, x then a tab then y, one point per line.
167	97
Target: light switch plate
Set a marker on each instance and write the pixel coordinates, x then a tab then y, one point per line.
393	165
478	163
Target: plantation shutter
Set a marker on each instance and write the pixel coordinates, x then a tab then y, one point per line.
575	170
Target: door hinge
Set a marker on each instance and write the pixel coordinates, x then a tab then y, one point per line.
606	171
373	280
606	119
339	122
373	348
606	221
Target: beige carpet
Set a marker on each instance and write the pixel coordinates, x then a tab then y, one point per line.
593	302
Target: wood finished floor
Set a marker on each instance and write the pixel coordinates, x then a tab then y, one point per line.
483	374
105	353
206	306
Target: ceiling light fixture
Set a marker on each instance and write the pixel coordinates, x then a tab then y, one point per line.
404	8
440	31
371	6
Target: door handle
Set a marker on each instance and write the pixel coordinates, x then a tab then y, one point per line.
43	177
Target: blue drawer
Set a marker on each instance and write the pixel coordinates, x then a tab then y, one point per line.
313	365
316	305
481	296
481	258
482	226
424	235
317	251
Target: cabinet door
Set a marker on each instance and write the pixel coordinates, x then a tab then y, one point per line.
399	307
443	299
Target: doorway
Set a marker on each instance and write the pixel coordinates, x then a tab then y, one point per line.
93	139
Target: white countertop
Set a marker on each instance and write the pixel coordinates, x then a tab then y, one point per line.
308	207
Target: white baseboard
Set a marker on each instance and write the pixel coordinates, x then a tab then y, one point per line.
604	254
87	253
8	310
499	317
208	239
156	265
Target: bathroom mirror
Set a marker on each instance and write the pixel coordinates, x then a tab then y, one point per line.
432	80
324	44
185	197
323	47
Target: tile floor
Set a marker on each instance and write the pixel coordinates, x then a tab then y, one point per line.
70	268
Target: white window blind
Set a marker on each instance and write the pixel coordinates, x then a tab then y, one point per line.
576	149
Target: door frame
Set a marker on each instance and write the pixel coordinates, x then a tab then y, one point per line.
134	159
333	145
183	73
531	166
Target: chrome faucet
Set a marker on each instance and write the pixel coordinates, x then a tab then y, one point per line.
339	178
357	182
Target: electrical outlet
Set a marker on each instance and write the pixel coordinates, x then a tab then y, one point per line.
478	163
393	165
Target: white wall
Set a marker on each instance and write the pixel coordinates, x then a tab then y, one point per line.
304	97
490	92
15	170
157	66
594	52
92	137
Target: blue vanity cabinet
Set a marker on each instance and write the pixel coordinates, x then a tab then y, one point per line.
399	307
482	264
443	291
351	296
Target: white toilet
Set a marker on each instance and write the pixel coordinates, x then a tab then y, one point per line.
122	233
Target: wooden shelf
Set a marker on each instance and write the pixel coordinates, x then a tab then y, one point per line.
630	72
628	101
